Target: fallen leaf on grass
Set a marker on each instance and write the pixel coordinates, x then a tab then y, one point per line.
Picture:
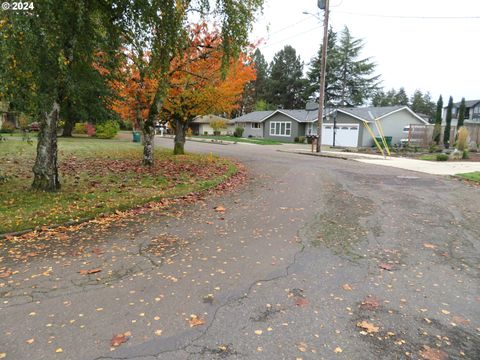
90	271
195	320
369	327
429	353
118	340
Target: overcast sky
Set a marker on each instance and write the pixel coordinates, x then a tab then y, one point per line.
439	55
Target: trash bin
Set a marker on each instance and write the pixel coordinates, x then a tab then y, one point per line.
136	136
388	139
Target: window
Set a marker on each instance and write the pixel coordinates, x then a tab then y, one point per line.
255	125
282	128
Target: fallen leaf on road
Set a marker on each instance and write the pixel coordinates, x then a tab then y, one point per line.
3	355
220	209
195	320
300	301
59	350
90	271
369	327
347	287
302	347
370	303
429	246
5	274
337	350
258	332
385	266
118	340
429	353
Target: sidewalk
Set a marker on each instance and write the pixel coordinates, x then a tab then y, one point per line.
428	167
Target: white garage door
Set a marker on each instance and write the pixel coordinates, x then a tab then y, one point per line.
346	135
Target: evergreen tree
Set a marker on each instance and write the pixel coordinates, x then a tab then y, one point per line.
401	97
355	81
286	85
448	122
313	73
261	81
349	80
417	102
438	121
461	114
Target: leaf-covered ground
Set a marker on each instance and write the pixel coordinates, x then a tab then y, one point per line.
97	177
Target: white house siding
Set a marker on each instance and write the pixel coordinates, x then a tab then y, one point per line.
207	128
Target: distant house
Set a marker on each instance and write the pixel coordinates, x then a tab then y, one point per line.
472	112
201	125
286	125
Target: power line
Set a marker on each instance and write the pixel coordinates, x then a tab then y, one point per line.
291	37
411	17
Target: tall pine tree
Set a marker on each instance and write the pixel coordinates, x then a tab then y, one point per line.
448	124
437	130
286	86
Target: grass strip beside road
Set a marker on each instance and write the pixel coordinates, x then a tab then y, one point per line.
472	176
258	141
97	177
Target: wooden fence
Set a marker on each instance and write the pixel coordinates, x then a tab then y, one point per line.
422	135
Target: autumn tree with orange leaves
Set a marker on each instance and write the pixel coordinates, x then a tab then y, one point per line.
199	86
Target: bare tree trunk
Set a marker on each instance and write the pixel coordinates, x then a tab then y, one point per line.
179	148
148	143
68	128
46	169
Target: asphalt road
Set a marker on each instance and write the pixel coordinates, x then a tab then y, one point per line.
313	258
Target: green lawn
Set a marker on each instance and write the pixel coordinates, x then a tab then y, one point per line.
97	176
257	141
473	176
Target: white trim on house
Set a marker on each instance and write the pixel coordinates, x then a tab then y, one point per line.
277	130
278	111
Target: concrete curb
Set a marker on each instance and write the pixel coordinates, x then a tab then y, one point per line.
316	154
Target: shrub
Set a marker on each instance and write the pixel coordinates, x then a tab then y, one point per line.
442	157
107	130
238	131
80	128
90	129
295	139
218	125
34	126
205	133
216	133
7	127
465	155
462	140
301	139
189	132
23	121
309	140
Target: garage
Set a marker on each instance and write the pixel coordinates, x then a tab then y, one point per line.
346	135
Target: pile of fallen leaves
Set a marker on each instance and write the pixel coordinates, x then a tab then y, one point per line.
99	183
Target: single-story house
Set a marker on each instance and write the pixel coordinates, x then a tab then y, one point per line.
286	125
201	125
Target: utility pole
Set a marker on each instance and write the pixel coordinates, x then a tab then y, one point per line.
322	4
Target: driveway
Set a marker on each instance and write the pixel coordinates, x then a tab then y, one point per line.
313	258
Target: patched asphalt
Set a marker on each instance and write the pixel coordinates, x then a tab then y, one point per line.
313	258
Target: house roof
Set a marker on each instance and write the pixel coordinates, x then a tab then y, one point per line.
303	116
207	119
468	103
371	113
256	116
